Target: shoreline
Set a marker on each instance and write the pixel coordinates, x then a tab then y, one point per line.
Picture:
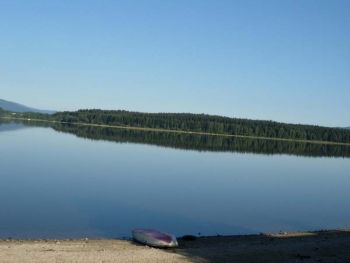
182	131
313	246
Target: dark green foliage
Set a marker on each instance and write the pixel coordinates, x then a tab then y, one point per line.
207	124
199	123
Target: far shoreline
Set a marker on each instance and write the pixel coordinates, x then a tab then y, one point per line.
146	129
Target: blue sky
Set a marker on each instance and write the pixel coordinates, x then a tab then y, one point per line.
281	60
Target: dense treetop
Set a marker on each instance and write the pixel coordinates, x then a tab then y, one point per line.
206	123
200	123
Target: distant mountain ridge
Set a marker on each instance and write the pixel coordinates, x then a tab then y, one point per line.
16	107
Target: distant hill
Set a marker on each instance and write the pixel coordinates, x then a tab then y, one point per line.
16	107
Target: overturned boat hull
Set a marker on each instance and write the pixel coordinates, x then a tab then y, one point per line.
154	238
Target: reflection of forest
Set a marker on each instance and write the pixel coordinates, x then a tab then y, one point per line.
200	142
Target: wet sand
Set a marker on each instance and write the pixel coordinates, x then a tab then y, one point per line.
320	246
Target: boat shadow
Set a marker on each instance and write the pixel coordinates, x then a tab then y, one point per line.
318	246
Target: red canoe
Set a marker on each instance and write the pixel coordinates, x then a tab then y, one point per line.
154	238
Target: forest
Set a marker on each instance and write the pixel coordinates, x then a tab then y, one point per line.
198	123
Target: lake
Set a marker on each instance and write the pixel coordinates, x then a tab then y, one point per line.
61	181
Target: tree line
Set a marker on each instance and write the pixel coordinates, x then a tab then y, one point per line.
200	123
206	123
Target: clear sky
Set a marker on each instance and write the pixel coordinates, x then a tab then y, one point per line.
281	60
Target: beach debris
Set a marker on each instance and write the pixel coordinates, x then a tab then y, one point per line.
154	238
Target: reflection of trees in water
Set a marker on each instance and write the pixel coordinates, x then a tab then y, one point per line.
200	142
205	143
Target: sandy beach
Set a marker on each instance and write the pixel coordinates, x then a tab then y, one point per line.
320	246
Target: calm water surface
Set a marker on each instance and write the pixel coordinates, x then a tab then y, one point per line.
55	184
